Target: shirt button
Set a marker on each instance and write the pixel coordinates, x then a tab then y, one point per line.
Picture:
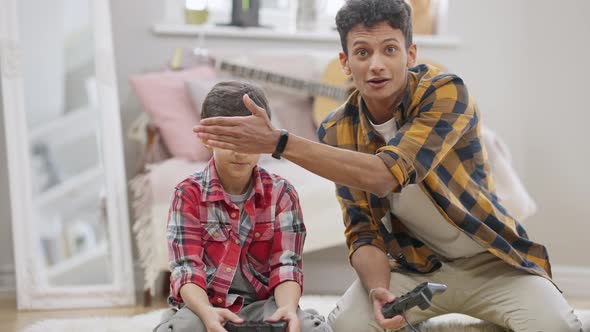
228	270
237	241
216	234
256	234
233	214
219	300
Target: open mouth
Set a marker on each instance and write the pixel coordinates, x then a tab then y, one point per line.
377	82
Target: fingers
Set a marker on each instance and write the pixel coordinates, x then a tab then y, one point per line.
294	326
216	130
291	319
276	316
252	107
222	145
382	295
394	323
377	306
228	315
226	121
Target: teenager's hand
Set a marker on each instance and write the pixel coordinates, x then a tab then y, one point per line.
288	316
214	318
379	297
247	134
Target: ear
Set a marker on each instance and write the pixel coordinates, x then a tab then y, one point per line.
412	52
344	63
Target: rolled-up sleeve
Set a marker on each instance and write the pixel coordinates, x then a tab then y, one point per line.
360	230
184	244
445	114
289	238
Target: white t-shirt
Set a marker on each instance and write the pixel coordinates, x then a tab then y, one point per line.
419	214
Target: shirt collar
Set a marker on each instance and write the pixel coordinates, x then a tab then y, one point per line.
213	190
400	112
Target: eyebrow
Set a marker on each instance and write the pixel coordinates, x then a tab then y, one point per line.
384	41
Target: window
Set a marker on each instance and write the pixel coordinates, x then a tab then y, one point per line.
429	15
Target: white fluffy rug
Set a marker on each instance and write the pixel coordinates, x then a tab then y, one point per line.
324	304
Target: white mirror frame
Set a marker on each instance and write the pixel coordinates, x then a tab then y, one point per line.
32	291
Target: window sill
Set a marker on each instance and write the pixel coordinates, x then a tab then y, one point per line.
229	32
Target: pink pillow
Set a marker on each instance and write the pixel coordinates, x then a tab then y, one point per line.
164	97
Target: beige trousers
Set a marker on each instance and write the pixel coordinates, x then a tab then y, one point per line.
482	286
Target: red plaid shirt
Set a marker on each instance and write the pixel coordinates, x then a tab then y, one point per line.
204	243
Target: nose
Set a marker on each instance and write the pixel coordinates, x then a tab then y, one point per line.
376	64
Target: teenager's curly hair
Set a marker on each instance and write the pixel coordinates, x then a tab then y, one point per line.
396	13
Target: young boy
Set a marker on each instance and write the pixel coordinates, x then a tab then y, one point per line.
236	237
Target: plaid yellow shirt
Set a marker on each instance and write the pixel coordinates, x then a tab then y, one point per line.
438	146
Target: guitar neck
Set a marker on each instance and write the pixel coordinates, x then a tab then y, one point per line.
313	88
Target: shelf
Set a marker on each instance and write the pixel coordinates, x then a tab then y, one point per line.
71	263
81	181
68	127
209	30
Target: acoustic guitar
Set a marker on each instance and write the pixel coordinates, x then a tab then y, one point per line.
328	94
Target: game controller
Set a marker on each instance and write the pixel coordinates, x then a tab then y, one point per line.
420	296
256	326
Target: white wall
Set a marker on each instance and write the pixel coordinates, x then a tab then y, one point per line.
525	64
555	129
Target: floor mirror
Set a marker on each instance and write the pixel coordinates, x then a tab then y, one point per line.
65	155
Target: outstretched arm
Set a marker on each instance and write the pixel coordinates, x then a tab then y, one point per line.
255	134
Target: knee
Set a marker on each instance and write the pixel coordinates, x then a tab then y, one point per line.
565	321
343	319
183	320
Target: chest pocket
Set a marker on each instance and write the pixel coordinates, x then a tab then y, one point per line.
261	246
214	238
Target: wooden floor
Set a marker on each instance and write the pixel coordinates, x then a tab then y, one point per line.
12	320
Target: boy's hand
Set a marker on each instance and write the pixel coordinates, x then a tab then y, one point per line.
214	318
288	316
379	297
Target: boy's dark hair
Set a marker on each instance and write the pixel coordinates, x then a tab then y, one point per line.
225	99
396	13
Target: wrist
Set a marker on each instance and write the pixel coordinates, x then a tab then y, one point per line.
208	316
374	291
274	139
203	310
290	308
281	144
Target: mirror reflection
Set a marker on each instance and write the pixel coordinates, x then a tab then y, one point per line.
68	183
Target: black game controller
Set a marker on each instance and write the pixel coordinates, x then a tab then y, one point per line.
256	326
419	296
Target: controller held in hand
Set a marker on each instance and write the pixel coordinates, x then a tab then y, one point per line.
420	296
256	326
